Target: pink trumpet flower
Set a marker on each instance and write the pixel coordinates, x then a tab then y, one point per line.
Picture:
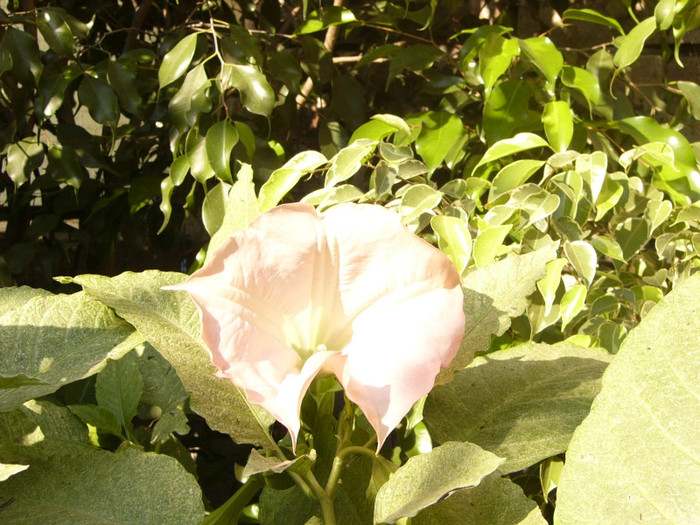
350	292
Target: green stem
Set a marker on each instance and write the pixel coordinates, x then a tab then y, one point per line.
324	498
229	511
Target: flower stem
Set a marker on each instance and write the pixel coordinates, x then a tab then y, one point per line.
324	498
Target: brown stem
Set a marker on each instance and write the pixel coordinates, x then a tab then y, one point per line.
136	24
329	42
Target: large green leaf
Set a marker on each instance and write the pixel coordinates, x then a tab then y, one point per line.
454	239
57	339
169	321
328	16
492	296
522	403
427	478
128	486
636	457
494	501
506	110
594	17
558	124
26	60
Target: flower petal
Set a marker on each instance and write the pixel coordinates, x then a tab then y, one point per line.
404	302
264	297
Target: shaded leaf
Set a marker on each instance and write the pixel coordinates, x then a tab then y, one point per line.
494	501
492	296
521	403
128	486
169	321
58	339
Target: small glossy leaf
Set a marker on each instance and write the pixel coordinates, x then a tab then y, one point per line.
427	478
416	57
513	175
609	196
241	208
631	47
26	60
544	55
657	212
23	158
220	140
56	32
506	110
395	122
607	246
177	60
124	83
495	57
504	148
583	258
418	199
558	124
348	161
283	179
581	80
439	132
256	94
594	17
636	453
328	16
454	239
100	99
200	167
592	168
213	207
632	235
572	302
664	13
549	284
191	99
691	92
487	244
326	197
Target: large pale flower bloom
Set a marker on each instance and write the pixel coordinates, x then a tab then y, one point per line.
350	292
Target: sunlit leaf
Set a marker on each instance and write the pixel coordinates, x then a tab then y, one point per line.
558	124
348	161
632	43
594	17
583	258
283	179
636	453
544	55
427	478
177	60
454	239
326	17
